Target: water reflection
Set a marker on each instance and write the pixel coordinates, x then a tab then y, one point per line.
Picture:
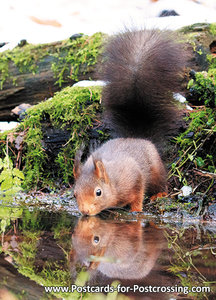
137	253
51	249
120	250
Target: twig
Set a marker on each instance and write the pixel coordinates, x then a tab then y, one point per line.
204	173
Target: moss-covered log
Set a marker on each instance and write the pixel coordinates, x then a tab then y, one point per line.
199	37
32	73
45	142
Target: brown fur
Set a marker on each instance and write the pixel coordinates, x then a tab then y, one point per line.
141	69
124	170
124	250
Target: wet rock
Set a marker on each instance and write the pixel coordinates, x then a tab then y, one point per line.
189	135
3	44
22	43
167	13
210	213
76	36
20	110
192	74
201	58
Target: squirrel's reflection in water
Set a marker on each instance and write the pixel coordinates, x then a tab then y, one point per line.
111	250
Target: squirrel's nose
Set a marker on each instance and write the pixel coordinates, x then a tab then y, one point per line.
85	212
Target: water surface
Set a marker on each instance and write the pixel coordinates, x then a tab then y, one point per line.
138	254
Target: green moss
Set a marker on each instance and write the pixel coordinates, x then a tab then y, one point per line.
196	27
199	36
4	69
196	144
68	58
212	66
196	152
26	59
204	87
81	54
212	29
72	111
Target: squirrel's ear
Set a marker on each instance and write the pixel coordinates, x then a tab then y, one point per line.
76	169
100	171
77	162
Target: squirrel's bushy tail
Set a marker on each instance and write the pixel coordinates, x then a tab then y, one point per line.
142	69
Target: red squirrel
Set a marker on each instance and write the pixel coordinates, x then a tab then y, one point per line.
116	249
142	69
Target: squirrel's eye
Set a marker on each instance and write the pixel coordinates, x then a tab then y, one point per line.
98	192
96	239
